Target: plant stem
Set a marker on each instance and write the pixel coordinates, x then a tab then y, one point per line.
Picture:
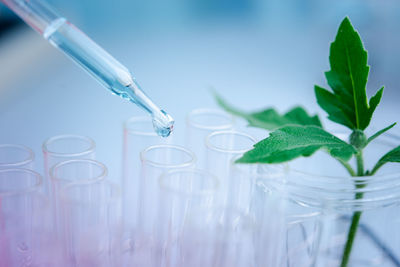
350	238
356	215
360	163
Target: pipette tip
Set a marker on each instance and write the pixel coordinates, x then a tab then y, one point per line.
163	124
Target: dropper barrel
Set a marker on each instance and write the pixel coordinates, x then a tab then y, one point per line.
36	14
73	42
86	53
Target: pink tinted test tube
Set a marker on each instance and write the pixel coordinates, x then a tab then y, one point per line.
18	191
67	172
137	136
182	192
65	147
92	223
145	247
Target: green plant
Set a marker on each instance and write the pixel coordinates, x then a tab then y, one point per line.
296	133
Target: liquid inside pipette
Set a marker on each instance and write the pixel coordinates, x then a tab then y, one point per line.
106	69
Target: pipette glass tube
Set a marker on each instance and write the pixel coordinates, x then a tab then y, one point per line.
90	56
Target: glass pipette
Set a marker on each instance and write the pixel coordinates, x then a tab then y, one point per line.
101	65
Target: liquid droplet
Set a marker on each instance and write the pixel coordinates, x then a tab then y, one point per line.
162	130
164	125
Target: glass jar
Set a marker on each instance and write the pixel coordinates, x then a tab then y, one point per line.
318	200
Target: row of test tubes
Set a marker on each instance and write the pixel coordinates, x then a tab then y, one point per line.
174	206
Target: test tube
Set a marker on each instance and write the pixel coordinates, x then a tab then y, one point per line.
146	246
222	146
65	147
138	135
70	171
259	199
287	231
217	236
241	185
16	156
18	190
200	123
91	220
182	192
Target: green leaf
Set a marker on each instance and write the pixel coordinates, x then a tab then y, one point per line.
327	101
392	156
348	103
292	141
378	133
270	119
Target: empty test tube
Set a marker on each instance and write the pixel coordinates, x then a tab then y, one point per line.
137	136
65	147
16	156
19	189
183	192
92	223
67	172
222	146
199	124
146	247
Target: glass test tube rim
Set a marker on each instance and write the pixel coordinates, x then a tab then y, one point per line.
89	150
205	111
185	164
281	167
103	174
28	160
164	176
223	150
38	181
138	132
116	191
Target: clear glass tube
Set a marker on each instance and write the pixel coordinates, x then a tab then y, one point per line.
65	147
222	146
18	190
138	135
213	236
145	246
242	185
280	226
16	156
182	192
200	123
72	171
91	220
